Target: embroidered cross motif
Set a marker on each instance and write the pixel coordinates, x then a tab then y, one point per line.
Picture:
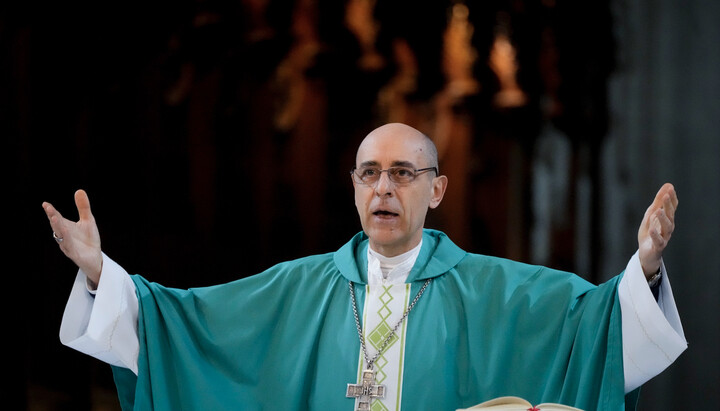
533	409
366	391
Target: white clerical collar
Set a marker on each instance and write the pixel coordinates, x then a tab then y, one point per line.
391	270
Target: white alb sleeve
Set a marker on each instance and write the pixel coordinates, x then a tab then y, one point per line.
103	325
652	333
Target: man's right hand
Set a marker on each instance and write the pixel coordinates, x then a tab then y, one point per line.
80	240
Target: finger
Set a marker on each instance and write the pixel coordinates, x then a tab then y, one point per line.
656	234
646	223
664	199
673	195
58	226
664	224
658	203
660	195
669	207
48	208
82	202
671	198
54	216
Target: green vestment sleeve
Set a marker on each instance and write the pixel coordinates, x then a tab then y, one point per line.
285	339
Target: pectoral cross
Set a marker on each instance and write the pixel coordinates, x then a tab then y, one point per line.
366	391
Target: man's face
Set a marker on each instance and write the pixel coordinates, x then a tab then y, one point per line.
393	215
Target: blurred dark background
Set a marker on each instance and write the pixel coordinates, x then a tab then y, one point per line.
215	138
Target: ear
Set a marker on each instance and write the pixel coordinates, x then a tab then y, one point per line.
439	185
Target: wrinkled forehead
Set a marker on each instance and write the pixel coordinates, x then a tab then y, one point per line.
398	145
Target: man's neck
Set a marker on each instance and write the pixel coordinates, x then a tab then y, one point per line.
402	262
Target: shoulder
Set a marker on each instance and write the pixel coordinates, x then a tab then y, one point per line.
513	274
304	273
473	264
309	271
311	264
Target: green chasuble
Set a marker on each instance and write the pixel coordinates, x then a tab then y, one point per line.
285	339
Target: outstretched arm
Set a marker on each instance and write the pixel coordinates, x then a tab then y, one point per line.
656	229
80	241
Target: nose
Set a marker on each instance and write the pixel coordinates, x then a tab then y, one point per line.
384	186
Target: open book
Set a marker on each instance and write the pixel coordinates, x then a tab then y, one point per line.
518	404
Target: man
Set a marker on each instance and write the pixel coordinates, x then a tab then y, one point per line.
399	317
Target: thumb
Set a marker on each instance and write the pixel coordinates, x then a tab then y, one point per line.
82	202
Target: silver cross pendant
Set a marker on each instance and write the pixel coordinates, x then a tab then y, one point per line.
366	391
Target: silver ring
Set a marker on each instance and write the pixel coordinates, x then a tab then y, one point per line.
58	239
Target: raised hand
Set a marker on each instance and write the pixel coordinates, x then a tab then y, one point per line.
80	241
656	229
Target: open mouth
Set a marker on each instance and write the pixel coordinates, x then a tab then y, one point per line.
384	213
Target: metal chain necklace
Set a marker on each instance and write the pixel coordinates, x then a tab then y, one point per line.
367	390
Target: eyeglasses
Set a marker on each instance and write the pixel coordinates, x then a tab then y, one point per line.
398	175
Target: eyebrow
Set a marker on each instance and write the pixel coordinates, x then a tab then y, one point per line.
397	163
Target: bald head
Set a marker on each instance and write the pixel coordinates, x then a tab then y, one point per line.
417	141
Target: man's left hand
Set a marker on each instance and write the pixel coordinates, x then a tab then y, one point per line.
656	229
